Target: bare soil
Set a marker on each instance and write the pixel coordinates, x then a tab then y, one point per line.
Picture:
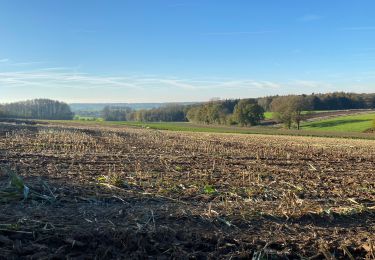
328	114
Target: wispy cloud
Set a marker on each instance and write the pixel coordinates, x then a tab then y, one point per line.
358	28
238	33
45	78
65	78
10	62
312	85
72	84
309	18
249	84
70	79
27	63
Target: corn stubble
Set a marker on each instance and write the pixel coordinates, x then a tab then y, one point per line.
249	196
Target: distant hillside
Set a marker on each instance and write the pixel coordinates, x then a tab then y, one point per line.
75	107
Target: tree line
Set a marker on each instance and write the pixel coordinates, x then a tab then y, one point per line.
228	112
243	112
36	109
293	109
289	110
330	101
169	113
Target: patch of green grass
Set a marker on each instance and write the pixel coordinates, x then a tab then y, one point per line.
209	189
268	115
178	168
87	118
353	123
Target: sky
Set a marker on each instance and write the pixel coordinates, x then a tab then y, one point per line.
184	50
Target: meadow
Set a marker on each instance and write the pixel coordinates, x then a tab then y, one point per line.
269	115
104	191
351	123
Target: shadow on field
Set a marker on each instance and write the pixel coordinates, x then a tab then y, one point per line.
92	221
332	220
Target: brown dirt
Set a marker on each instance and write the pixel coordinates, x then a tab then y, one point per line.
331	114
133	193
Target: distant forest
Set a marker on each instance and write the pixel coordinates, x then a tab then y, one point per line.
95	109
231	111
169	113
36	109
330	101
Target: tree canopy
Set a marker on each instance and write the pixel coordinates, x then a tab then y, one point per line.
169	113
288	109
37	109
247	112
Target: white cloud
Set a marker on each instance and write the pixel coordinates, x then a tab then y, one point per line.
28	63
71	84
65	78
312	85
46	78
10	62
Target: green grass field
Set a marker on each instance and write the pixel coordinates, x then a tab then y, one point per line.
87	118
269	115
354	123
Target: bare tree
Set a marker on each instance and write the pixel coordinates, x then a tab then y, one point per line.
289	109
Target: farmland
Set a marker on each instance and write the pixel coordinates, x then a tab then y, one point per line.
354	128
103	191
338	123
349	123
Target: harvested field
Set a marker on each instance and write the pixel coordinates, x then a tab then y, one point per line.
111	193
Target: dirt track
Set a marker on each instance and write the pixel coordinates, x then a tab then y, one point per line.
136	193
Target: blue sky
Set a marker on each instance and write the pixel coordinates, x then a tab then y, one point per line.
184	50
